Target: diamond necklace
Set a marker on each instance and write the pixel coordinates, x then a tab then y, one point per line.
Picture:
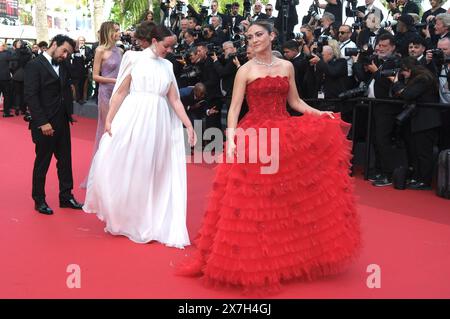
264	63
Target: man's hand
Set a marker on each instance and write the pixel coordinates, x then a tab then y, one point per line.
372	68
47	129
314	60
236	62
212	111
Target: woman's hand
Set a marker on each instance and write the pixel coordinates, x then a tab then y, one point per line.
231	149
192	137
108	128
327	113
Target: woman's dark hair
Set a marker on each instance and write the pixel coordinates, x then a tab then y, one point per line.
148	30
419	72
264	24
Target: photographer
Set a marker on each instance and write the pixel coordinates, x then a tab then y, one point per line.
325	23
21	56
227	72
211	79
307	35
416	84
332	6
81	61
402	7
345	42
405	33
217	26
331	70
209	35
214	12
231	21
292	53
257	14
439	63
364	11
368	36
416	49
5	79
429	17
378	70
292	17
194	101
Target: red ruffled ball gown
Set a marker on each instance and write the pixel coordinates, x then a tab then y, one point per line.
260	230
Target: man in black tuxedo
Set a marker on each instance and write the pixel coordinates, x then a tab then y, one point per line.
257	14
231	21
49	98
81	60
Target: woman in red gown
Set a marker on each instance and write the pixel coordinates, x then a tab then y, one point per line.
299	222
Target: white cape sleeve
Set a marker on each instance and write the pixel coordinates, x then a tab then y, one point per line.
126	66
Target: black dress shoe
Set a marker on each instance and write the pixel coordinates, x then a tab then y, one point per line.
70	203
43	208
383	181
419	186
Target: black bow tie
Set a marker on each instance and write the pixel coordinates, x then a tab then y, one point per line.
54	62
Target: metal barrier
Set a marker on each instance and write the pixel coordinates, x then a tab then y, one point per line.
370	103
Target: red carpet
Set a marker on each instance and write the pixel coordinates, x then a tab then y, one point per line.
406	233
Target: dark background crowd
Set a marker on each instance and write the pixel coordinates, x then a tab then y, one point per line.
399	62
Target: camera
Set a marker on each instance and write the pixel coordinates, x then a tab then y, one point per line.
315	15
190	72
299	36
179	6
321	42
389	72
366	56
357	25
359	91
386	24
27	117
407	112
228	9
212	49
439	57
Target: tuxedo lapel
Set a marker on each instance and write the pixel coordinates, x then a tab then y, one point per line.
47	66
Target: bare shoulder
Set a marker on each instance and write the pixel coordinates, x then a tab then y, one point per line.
244	71
285	64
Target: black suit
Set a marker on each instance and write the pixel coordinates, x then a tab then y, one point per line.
292	19
49	99
5	80
423	131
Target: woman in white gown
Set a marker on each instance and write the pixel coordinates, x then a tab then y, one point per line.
137	181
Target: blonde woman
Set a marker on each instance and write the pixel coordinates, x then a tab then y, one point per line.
106	67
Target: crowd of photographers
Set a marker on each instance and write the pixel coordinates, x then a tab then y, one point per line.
402	57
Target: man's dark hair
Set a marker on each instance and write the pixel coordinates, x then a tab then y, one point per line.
43	44
387	36
235	4
291	45
61	38
418	40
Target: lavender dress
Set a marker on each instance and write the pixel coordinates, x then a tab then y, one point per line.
109	69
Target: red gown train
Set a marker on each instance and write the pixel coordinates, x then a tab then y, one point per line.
260	230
